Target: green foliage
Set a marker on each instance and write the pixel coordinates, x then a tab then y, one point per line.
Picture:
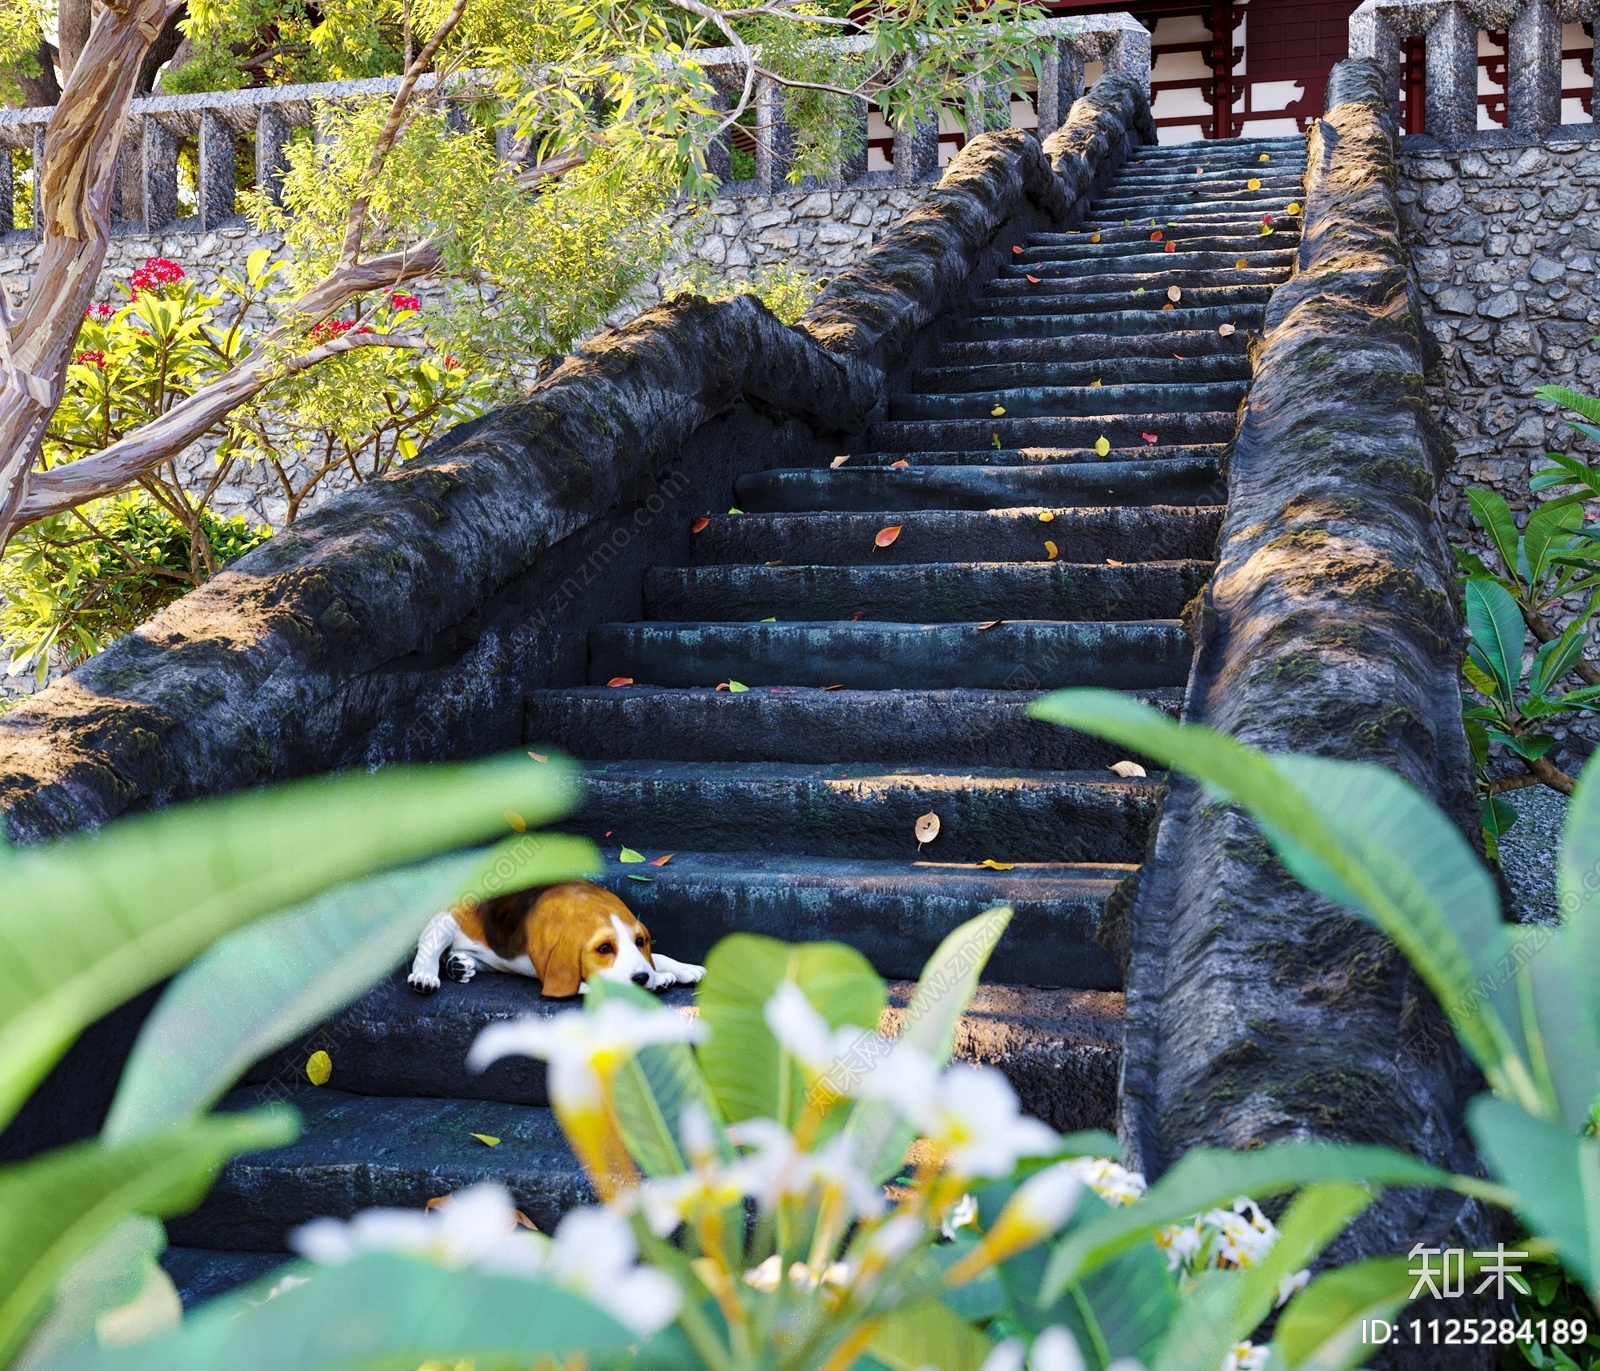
787	291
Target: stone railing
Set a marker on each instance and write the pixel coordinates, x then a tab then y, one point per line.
1379	28
147	187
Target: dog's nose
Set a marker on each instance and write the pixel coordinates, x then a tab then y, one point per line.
641	978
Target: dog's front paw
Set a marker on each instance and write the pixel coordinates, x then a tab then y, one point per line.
460	967
678	973
422	982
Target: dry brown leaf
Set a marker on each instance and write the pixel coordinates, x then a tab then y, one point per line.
699	525
1051	550
990	623
833	687
540	756
1128	769
662	861
1112	561
1174	293
927	828
838	462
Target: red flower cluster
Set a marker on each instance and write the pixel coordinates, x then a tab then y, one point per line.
92	357
450	364
335	328
101	312
155	273
405	301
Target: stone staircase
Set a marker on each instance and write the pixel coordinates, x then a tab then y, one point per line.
1051	463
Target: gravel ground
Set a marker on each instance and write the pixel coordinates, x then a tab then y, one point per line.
1528	852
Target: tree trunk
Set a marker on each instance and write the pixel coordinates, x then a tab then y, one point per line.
80	161
164	49
43	89
74	19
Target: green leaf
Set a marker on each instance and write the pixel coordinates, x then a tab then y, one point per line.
749	1075
1361	836
1321	1330
927	1334
1585	405
1479	679
1567	471
1208	1177
1497	631
1497	816
628	855
380	1312
130	905
1558	657
943	992
1550	529
1495	518
54	1208
1556	1177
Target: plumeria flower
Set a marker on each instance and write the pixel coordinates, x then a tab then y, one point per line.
1041	1205
594	1254
836	1276
963	1212
766	1276
776	1169
1246	1356
804	1034
1288	1285
1115	1184
1246	1235
1007	1356
1055	1349
969	1113
1181	1242
477	1228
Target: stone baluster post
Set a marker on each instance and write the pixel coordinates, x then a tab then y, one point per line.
1533	69
1129	54
728	83
215	191
854	165
1595	103
1452	48
916	153
774	141
1060	83
160	175
1373	34
272	152
128	202
988	108
38	178
7	190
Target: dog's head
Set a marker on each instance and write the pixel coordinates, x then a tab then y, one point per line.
577	931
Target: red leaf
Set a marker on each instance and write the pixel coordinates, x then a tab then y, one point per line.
661	861
1033	280
699	525
1156	236
1017	248
1172	247
1150	437
620	681
887	535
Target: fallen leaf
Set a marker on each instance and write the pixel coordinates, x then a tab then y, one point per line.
833	687
997	411
777	563
1265	157
902	463
1266	230
1128	769
540	756
735	511
885	536
1180	356
629	856
838	462
699	525
523	1221
437	1202
1156	236
608	833
319	1068
516	821
1174	293
927	828
1226	330
1254	183
647	880
1199	171
988	624
662	861
1051	549
739	687
620	681
1112	561
1047	516
487	1139
1017	248
1093	384
857	615
1169	306
1094	237
721	685
1293	207
770	619
997	866
1151	438
1139	290
1241	264
1102	445
1171	247
1031	280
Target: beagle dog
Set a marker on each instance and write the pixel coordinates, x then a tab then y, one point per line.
559	934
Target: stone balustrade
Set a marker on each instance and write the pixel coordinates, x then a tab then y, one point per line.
1449	28
147	200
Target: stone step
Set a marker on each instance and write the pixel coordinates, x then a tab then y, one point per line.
1197	175
1025	457
1157	213
1124	533
358	1151
395	1043
1239	234
1069	401
1135	198
1150	297
947	728
1061	323
942	592
894	912
1120	430
201	1273
1015	655
1095	268
1019	289
1150	481
1154	345
1161	372
862	811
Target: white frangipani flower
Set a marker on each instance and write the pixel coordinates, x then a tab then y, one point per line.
1114	1184
969	1113
1181	1242
1055	1349
962	1213
1288	1285
776	1169
594	1254
477	1228
766	1276
804	1034
1246	1235
583	1049
1007	1356
1246	1356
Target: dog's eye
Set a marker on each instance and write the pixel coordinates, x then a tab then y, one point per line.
639	941
606	950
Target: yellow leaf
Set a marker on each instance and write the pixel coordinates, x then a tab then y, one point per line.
1241	264
487	1139
1094	237
1265	157
516	821
997	866
1093	384
997	411
1102	445
1051	549
319	1068
629	855
1047	517
1254	183
1293	207
737	687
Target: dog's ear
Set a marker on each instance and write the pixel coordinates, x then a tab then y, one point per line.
555	947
